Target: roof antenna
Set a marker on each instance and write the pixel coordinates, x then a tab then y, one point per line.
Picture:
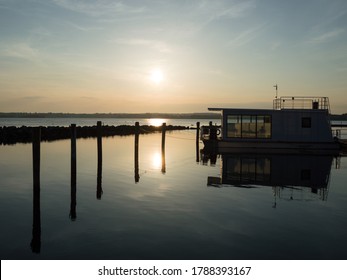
276	87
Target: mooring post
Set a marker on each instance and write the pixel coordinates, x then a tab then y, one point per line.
36	156
197	141
99	140
36	231
73	153
73	173
197	132
136	159
99	172
163	133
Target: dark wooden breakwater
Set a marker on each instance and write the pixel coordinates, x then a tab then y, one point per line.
12	135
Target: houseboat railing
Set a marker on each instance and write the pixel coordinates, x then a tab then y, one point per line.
301	102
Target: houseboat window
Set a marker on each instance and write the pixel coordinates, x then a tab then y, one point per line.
233	171
263	126
234	126
306	122
248	170
248	126
263	170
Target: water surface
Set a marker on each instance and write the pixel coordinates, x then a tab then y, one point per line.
183	206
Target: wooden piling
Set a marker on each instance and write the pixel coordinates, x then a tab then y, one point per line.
99	140
99	171
36	156
163	163
73	154
73	202
35	243
136	148
197	132
197	142
73	173
99	190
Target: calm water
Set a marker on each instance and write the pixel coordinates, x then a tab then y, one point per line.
189	206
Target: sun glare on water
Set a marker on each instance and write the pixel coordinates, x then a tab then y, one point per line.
156	121
156	161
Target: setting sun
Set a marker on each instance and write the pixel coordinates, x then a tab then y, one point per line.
157	76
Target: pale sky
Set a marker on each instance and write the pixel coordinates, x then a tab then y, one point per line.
169	56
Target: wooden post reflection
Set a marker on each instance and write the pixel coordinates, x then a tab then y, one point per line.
99	175
36	231
197	142
136	163
163	164
73	215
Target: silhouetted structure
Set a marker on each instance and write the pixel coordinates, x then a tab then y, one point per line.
136	158
99	175
296	124
73	214
197	150
163	163
36	231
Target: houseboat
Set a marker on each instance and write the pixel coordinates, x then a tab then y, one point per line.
296	124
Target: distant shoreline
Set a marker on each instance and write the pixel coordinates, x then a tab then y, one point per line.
334	117
114	115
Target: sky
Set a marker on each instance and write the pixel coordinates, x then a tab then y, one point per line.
89	56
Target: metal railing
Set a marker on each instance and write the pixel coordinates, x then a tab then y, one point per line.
301	102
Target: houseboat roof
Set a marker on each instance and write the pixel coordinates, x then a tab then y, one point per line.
292	103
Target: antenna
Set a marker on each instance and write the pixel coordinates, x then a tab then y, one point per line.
276	87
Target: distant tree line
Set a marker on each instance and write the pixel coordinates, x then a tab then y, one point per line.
113	115
130	115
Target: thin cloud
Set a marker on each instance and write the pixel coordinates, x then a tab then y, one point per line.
152	44
327	36
98	7
221	9
246	36
82	28
32	98
20	50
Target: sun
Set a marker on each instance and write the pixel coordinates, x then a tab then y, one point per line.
157	76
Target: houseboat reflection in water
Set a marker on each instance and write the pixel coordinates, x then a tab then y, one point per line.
292	177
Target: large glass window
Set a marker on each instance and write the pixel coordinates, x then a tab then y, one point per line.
234	126
263	126
249	126
248	170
